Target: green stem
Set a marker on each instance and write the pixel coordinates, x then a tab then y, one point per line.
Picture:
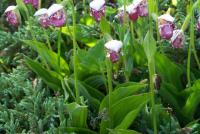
151	67
124	32
75	52
132	31
59	48
110	88
196	56
190	45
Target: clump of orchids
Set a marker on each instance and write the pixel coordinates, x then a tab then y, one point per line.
54	16
138	8
168	32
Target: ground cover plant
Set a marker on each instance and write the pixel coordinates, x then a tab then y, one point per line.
99	66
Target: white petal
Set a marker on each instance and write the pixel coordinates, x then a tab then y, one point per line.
176	33
166	17
10	8
41	11
114	45
54	8
137	2
97	4
131	8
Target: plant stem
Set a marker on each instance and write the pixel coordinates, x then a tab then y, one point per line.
75	52
151	67
124	49
190	45
132	32
110	88
59	48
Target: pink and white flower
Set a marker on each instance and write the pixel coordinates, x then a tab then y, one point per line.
42	16
113	48
34	3
57	15
132	12
13	16
166	26
97	9
177	40
142	7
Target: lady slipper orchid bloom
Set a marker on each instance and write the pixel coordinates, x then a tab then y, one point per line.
42	16
132	12
113	48
142	7
166	26
57	15
13	16
177	39
198	25
97	9
34	3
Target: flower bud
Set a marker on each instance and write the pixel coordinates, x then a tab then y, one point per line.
113	48
177	39
97	9
57	15
166	26
13	16
132	12
42	16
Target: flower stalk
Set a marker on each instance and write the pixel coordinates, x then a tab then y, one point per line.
109	80
75	51
151	67
59	48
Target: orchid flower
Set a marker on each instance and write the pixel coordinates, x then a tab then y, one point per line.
57	15
97	9
113	48
42	16
13	16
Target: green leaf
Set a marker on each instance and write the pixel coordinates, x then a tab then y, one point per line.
77	115
122	110
48	56
123	131
192	101
122	91
149	46
52	79
84	34
169	71
105	26
83	92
